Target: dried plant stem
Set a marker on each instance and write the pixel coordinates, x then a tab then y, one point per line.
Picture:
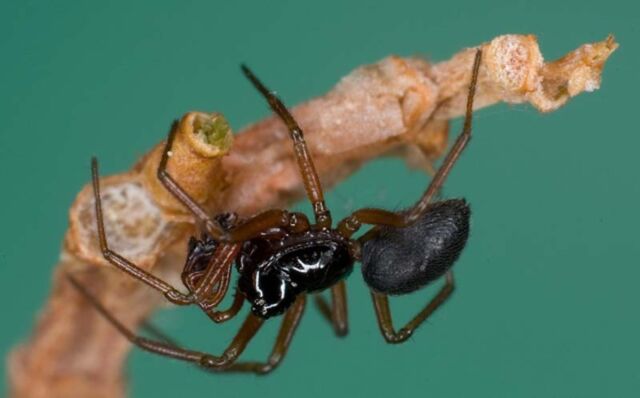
396	106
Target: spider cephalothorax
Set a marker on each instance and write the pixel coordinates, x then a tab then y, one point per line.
282	256
278	266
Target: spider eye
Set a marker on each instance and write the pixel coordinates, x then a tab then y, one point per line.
402	260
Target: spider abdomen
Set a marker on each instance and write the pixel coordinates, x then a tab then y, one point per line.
401	260
276	267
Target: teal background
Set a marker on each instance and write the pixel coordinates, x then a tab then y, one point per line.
547	293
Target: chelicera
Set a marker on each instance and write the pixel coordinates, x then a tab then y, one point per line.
282	256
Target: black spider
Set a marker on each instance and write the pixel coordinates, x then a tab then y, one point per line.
281	256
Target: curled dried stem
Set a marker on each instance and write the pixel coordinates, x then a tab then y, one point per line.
396	106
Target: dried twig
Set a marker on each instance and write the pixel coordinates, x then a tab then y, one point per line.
396	106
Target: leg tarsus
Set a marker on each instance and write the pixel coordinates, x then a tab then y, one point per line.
454	153
336	313
351	224
288	327
170	292
248	329
307	169
385	322
171	185
220	316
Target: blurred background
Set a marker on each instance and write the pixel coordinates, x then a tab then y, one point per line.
547	293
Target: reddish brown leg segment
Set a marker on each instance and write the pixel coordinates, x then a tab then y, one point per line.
212	227
351	224
385	322
218	273
288	327
261	222
171	293
225	315
156	333
336	313
303	157
455	151
244	231
247	331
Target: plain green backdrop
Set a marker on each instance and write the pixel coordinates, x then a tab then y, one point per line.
547	298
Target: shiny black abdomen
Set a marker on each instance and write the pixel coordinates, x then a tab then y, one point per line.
275	267
401	260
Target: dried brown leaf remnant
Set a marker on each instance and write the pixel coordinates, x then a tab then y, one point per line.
396	106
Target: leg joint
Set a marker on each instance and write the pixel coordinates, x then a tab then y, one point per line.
398	337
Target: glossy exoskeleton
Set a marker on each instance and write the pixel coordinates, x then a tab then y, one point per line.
281	256
276	267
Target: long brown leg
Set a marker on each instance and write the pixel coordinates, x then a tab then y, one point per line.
180	194
247	331
288	327
336	313
261	222
385	322
351	224
219	316
244	231
455	151
170	292
217	273
156	333
303	157
211	298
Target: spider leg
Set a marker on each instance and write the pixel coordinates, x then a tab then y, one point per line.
247	331
261	222
352	223
288	327
244	231
216	316
385	322
219	316
212	227
170	292
336	313
303	157
455	151
157	333
218	272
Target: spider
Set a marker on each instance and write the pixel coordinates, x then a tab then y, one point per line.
281	256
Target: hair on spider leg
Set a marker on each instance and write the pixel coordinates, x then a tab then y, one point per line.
281	256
